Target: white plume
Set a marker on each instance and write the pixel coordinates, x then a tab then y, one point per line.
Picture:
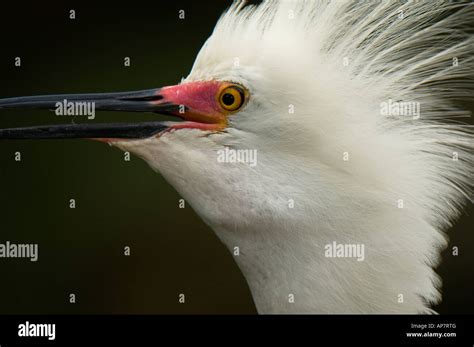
337	64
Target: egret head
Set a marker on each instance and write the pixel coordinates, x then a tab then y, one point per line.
282	147
252	90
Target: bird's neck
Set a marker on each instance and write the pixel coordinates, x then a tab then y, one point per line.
286	225
336	250
353	268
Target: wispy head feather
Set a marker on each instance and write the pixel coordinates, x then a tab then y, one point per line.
348	68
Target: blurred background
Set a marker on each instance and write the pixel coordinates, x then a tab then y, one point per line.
121	203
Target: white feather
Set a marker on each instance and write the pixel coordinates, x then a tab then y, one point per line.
293	53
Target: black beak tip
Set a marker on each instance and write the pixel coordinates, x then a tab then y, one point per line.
135	101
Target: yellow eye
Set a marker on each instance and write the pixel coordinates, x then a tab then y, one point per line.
231	98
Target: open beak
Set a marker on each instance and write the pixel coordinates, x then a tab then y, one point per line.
150	100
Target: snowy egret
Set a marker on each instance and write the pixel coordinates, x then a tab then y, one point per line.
357	171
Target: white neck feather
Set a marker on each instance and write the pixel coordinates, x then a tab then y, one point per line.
286	263
281	216
394	160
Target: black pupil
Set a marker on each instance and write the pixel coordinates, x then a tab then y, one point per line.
228	99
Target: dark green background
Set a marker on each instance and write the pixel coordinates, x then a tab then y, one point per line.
120	203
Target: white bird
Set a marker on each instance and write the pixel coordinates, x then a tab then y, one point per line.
349	109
